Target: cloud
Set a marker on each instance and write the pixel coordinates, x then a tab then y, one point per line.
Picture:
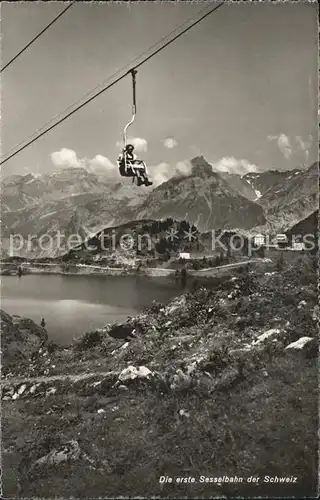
160	173
283	143
101	165
183	168
232	165
294	146
140	144
66	158
164	171
170	143
304	146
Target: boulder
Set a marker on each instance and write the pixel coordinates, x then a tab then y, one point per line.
132	373
307	345
299	344
123	331
68	451
21	339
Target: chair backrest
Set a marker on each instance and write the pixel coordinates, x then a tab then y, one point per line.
125	168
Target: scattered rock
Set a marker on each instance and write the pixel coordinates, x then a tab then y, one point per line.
123	388
19	392
276	320
100	411
185	340
21	389
228	378
184	413
223	302
95	384
191	369
180	380
176	305
144	372
302	304
315	313
51	391
240	350
266	335
210	313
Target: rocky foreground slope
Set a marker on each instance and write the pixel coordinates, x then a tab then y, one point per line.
219	383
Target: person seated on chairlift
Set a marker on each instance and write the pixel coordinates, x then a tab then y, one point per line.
138	166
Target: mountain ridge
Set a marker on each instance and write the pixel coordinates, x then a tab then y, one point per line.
77	200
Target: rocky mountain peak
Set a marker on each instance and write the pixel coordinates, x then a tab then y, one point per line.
200	167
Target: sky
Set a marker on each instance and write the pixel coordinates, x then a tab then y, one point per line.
240	88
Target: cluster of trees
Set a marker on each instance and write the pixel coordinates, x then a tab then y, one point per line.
218	260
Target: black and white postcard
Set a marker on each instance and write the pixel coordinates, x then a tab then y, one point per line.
159	249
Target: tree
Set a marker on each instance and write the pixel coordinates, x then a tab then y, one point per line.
161	245
280	262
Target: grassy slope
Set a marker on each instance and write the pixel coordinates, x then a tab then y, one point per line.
248	414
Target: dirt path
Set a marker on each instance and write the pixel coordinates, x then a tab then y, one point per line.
72	378
212	270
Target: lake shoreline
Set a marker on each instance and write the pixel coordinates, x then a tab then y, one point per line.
73	304
11	269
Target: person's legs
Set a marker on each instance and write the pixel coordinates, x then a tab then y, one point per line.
142	168
138	169
138	175
145	168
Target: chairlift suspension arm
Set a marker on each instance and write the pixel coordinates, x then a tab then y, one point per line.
134	106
